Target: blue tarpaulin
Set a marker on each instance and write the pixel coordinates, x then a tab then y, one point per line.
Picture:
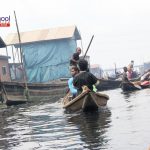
48	60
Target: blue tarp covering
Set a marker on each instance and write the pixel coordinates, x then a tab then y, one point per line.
48	60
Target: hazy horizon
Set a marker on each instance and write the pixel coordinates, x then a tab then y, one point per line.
121	29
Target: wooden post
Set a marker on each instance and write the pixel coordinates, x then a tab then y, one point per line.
6	51
18	37
18	55
14	61
21	56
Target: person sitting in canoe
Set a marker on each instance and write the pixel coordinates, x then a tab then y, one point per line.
75	57
126	85
124	75
146	76
84	78
125	78
74	70
145	79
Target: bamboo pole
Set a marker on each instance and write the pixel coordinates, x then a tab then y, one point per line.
18	55
14	61
6	51
13	54
21	56
18	36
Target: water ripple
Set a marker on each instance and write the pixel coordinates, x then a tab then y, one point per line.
45	125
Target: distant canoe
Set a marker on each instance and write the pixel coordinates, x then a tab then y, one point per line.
105	84
108	84
145	84
138	85
86	101
128	87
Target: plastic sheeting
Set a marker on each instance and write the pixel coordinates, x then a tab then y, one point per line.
48	60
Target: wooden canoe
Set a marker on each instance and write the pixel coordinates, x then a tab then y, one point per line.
12	99
108	84
86	101
13	93
128	87
15	100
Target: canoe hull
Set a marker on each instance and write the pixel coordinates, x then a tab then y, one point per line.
11	102
127	87
13	93
86	101
108	84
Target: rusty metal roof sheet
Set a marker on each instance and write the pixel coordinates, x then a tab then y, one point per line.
43	35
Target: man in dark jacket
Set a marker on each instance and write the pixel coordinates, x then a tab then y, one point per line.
84	78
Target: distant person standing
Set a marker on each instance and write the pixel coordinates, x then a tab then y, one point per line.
75	57
131	65
130	69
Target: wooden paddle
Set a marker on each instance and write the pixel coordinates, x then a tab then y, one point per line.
88	47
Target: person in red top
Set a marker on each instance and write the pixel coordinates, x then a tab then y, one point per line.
130	69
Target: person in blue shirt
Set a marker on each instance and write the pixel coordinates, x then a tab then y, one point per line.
74	70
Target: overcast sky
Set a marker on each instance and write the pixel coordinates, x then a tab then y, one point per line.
121	27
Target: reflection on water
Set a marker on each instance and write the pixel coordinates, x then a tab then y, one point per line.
92	127
122	125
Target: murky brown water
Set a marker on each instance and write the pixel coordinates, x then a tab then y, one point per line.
123	125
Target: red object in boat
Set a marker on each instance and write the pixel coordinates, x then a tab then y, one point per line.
145	83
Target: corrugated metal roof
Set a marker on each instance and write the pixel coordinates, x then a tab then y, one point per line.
2	43
43	35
